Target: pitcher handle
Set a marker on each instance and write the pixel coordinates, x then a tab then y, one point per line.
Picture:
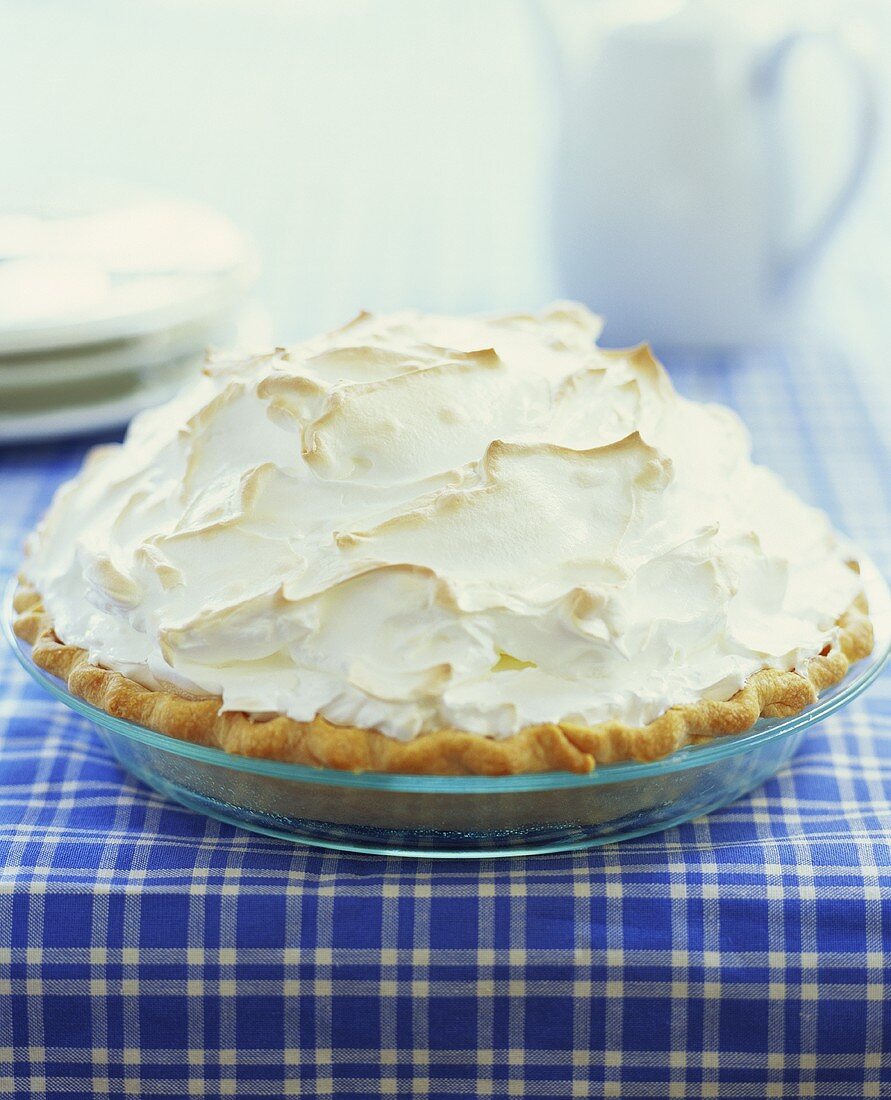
790	263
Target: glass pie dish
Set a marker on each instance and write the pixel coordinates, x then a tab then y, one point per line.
473	816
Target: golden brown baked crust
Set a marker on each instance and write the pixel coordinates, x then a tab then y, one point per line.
548	747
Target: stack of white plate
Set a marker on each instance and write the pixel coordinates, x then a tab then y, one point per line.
106	309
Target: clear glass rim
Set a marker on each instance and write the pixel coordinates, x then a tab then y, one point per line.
767	730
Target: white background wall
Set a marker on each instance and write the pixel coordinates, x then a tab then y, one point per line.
382	152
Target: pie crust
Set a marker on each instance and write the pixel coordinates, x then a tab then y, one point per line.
548	747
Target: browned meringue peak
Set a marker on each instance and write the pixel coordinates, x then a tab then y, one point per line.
583	503
417	522
371	431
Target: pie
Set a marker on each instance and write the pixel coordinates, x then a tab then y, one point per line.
440	545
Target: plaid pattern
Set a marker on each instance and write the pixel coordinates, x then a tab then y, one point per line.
147	951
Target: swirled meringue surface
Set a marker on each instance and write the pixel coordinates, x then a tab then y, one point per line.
420	522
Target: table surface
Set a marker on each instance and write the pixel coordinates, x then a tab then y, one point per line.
147	950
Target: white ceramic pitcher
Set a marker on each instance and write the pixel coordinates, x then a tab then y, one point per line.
673	197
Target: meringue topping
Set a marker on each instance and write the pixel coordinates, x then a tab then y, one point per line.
422	522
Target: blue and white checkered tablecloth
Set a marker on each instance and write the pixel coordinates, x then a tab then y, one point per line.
148	951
